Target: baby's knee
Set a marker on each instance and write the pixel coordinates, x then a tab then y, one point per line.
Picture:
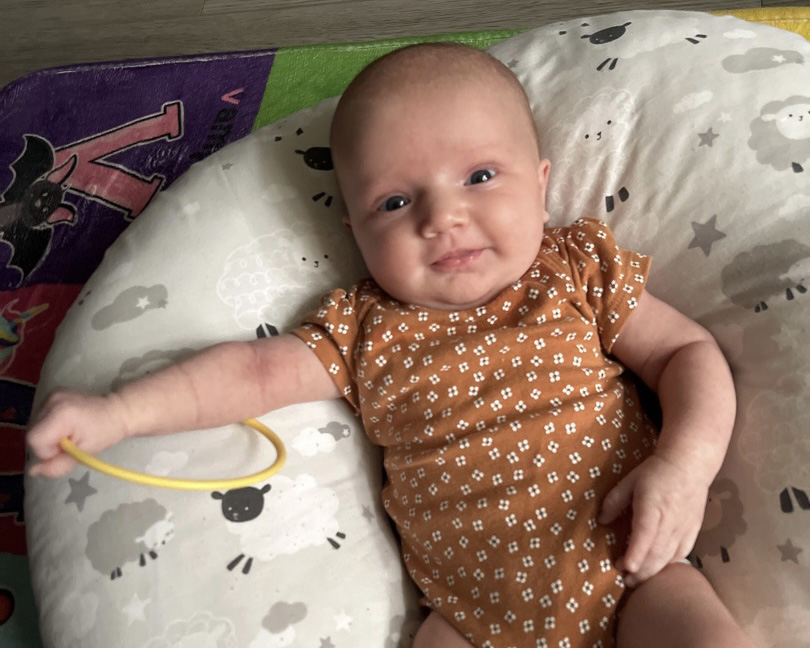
678	607
436	632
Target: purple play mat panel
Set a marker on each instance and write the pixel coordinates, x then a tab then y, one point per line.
83	151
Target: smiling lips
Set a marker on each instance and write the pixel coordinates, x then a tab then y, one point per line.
456	260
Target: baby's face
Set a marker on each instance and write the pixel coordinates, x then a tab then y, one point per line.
446	193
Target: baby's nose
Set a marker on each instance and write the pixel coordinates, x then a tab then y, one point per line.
442	215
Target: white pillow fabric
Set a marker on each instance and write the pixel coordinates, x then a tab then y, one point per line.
236	248
690	135
679	129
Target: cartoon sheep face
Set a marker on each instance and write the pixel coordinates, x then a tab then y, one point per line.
792	121
620	40
595	137
298	513
715	505
755	276
594	132
277	277
780	136
128	533
242	504
157	535
602	119
723	522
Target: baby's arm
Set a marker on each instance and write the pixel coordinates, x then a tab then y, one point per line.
222	384
680	360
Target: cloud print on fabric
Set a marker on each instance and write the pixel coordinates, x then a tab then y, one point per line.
761	58
129	305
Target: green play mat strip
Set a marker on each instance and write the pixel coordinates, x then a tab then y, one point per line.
302	76
328	69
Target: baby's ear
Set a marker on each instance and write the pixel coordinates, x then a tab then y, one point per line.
543	170
542	173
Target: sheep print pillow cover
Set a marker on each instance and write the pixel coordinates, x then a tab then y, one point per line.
684	131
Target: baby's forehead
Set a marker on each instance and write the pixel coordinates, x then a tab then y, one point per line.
428	78
426	92
399	80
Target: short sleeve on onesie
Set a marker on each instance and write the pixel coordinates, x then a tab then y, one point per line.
612	278
334	333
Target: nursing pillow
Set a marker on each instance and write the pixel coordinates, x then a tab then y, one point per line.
690	136
688	133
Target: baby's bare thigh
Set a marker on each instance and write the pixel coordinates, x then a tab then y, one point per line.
435	632
678	607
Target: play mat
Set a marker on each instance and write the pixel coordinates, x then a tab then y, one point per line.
85	149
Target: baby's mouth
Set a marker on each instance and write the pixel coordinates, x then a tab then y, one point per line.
456	260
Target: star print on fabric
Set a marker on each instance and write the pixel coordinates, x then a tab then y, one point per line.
327	643
343	621
191	208
80	490
778	58
707	138
724	117
143	303
789	551
706	235
227	166
134	609
513	63
367	513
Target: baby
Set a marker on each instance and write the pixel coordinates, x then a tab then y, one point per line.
535	503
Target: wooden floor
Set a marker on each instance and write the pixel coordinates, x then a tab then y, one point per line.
36	34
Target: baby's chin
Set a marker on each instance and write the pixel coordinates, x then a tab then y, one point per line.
456	299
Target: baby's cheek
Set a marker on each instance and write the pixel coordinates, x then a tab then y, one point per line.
385	263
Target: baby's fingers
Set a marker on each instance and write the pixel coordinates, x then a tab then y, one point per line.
57	466
617	500
645	529
44	437
659	556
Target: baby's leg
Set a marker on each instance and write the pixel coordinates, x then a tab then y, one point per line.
435	632
678	607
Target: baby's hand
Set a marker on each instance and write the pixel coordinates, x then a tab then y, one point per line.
91	422
668	504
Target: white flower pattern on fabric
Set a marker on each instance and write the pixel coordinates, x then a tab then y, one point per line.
503	426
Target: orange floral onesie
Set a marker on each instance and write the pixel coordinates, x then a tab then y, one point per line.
503	428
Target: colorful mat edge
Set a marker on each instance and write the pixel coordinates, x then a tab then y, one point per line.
330	67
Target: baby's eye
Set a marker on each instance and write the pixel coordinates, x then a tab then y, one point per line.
482	175
393	203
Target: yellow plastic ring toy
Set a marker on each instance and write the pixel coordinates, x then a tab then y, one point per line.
185	484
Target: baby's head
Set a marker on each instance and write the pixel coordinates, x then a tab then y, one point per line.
437	158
